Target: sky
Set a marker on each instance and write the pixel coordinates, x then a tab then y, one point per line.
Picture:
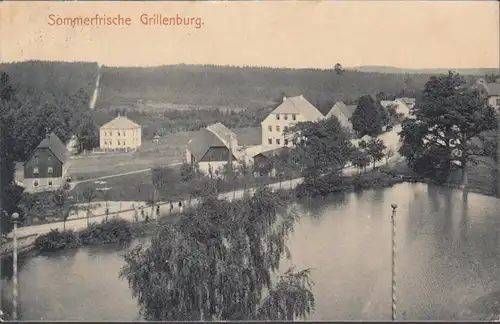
294	34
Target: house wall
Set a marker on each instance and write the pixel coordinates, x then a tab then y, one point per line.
44	184
270	132
402	107
120	139
216	165
42	159
494	101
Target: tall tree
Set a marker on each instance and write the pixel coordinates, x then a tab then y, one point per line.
369	117
322	147
10	193
221	261
447	116
375	148
338	69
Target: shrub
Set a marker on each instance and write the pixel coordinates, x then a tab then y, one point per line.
55	240
113	231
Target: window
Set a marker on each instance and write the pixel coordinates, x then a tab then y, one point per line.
50	182
35	159
35	183
110	133
285	117
35	171
124	143
270	128
49	157
277	116
498	101
277	128
118	133
278	141
285	129
270	140
294	117
105	134
118	142
286	141
50	170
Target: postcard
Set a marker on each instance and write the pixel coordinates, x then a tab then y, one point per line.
250	160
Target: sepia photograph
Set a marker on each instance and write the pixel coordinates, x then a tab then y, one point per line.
250	161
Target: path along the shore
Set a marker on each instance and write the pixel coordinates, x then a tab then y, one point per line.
128	213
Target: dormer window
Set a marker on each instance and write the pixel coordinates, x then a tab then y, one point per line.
49	157
277	116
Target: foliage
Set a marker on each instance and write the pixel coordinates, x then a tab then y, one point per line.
244	87
369	117
322	147
447	116
360	159
221	262
374	148
113	231
10	193
338	69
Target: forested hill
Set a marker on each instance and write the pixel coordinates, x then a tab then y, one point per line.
244	87
52	77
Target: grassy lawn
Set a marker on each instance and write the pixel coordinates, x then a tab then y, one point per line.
171	149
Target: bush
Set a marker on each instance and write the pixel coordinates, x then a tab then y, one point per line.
333	183
113	231
55	240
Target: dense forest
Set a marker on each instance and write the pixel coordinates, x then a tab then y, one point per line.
243	87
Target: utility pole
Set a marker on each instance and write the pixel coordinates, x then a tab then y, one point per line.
15	218
393	284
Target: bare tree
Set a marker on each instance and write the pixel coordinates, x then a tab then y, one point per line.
89	195
157	181
389	153
106	195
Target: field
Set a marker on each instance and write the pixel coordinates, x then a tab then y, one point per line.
170	150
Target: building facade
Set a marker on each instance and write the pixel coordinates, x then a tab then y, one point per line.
343	113
212	148
47	167
290	112
120	134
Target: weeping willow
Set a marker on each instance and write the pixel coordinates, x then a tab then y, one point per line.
221	261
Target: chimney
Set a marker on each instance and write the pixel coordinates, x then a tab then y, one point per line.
284	98
301	97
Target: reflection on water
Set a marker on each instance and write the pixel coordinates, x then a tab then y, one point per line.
447	258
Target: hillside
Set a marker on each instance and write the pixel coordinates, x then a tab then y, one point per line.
395	70
237	86
52	77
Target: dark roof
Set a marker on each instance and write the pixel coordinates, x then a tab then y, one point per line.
273	152
55	145
203	141
249	135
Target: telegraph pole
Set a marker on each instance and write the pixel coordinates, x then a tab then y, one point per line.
15	217
393	284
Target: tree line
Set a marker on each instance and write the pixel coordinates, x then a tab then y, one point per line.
27	115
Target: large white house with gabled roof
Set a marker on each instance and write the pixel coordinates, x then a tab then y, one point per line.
120	134
290	112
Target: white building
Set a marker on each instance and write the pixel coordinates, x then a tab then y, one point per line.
343	113
210	149
291	111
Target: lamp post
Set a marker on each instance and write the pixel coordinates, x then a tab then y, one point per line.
15	218
393	284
